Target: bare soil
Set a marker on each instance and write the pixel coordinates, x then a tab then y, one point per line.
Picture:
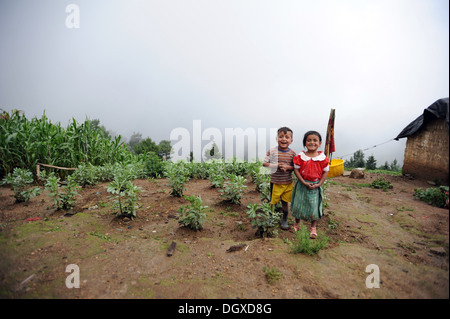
120	258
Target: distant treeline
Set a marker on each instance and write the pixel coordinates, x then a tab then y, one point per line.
357	160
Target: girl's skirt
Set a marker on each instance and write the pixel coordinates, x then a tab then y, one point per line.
306	204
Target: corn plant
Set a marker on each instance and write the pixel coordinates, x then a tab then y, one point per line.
193	215
233	188
19	180
265	218
24	143
177	175
63	196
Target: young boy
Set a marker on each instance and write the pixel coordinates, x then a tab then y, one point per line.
280	161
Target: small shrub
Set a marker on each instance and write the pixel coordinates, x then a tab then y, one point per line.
233	188
124	194
436	196
86	175
303	244
217	178
63	196
19	180
193	215
177	174
265	218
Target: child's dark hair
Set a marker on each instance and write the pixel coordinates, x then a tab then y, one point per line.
311	133
285	129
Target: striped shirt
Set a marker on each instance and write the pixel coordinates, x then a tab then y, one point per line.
277	156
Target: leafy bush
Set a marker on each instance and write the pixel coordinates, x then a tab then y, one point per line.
381	183
192	216
233	188
436	196
177	174
19	180
265	218
302	243
153	164
125	195
86	175
63	196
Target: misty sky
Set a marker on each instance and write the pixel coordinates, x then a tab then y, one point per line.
153	66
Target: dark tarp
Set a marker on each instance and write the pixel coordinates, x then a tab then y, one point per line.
437	110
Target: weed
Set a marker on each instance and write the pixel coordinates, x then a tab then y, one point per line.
272	274
303	244
381	183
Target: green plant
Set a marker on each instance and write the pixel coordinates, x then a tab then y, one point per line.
272	274
381	183
19	180
193	215
332	224
265	218
177	175
436	196
24	143
303	244
217	178
86	175
233	188
124	194
63	196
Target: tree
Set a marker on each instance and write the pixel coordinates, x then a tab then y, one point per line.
134	140
212	153
95	124
357	160
385	166
165	149
394	166
371	162
146	145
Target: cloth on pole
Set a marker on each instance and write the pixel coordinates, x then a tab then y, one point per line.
329	142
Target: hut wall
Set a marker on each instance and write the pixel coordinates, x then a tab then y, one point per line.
427	153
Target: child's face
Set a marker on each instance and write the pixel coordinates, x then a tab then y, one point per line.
312	143
284	140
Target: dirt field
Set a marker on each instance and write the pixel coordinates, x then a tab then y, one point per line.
407	239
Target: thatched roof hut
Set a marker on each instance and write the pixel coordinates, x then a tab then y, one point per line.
427	144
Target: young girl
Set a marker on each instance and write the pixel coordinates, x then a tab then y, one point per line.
311	168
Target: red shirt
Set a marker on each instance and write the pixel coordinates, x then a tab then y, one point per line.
311	168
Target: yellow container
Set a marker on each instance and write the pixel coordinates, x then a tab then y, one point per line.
336	167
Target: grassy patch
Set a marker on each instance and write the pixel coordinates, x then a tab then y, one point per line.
303	244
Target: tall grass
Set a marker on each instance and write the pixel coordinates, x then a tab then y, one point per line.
24	143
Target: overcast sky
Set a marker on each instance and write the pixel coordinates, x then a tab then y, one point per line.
153	66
